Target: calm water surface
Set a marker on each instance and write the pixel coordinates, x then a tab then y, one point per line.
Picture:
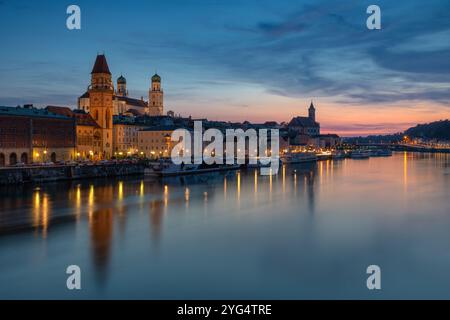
309	232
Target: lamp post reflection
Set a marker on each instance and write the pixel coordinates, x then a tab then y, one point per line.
41	212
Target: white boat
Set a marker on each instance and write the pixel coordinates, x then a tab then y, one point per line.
168	168
339	154
383	153
360	154
258	164
298	157
325	155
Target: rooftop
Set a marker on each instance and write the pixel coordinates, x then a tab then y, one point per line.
302	122
30	112
131	101
82	118
121	119
100	65
163	128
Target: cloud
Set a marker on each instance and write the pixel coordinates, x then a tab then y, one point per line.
297	49
303	55
275	29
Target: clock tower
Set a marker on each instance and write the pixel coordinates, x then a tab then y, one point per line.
101	93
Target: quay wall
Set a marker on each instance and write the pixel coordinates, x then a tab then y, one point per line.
72	172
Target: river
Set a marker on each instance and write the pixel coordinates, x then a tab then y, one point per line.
309	232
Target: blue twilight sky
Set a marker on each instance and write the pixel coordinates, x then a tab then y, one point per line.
240	60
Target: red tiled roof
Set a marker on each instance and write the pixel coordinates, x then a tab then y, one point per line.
132	101
100	65
63	111
82	119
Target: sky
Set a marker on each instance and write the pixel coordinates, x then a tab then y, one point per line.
254	60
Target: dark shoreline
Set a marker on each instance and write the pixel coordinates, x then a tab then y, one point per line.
24	175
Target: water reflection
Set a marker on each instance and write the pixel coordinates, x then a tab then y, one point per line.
156	218
41	213
89	198
101	227
159	209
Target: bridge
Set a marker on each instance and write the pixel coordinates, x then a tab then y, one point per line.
403	146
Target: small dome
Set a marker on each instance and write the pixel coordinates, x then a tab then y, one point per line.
156	78
121	79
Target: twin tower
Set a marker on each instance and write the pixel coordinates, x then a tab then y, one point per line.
155	94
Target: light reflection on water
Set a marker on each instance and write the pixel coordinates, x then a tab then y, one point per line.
308	232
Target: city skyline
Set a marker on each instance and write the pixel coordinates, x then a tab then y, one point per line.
262	62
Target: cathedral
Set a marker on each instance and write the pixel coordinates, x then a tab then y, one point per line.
121	102
101	102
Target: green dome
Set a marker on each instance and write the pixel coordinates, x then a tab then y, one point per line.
156	78
121	79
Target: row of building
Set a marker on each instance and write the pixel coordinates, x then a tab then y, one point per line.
108	123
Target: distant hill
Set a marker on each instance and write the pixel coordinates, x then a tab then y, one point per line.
435	130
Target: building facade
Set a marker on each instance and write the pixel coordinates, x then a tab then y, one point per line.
125	136
88	132
35	135
155	142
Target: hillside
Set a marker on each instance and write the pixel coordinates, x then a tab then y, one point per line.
435	130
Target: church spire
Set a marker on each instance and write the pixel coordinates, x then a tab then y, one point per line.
100	65
312	111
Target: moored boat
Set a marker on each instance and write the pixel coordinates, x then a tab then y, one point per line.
360	154
380	152
384	153
339	154
168	168
298	157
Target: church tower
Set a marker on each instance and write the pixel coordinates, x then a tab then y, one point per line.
155	97
312	112
122	86
101	93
